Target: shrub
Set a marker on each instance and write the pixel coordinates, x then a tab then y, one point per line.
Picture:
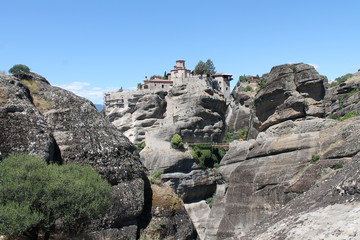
231	135
155	175
177	142
19	68
206	155
210	200
140	146
247	89
314	158
337	165
40	194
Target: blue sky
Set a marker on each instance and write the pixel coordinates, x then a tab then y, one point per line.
94	46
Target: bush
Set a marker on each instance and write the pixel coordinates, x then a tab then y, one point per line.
210	200
337	165
140	146
206	155
177	142
231	135
40	194
19	68
314	158
247	89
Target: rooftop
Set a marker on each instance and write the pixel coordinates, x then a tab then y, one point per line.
158	80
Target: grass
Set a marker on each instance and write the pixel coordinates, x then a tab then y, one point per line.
32	85
347	116
154	176
42	104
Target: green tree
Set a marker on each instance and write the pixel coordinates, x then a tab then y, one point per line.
139	86
19	68
121	89
177	142
155	76
204	67
200	68
210	67
165	75
33	195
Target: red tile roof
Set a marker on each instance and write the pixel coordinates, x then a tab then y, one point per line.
158	80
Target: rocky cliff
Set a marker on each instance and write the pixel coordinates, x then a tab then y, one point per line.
290	162
60	126
299	163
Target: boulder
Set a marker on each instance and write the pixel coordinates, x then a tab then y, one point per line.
22	126
292	91
58	125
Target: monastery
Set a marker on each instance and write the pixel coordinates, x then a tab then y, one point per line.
177	76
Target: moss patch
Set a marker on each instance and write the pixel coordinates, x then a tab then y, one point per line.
42	104
32	85
165	198
3	97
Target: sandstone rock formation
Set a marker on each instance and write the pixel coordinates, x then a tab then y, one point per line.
168	218
292	91
143	112
329	210
270	175
60	126
344	98
16	109
240	113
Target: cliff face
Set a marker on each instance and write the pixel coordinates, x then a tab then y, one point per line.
283	174
59	126
298	164
292	91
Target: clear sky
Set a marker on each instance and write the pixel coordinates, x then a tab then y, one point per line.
94	46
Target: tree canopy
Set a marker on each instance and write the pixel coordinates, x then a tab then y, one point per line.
33	195
204	67
19	68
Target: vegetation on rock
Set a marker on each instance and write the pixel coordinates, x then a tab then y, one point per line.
231	134
340	80
177	142
346	116
155	175
210	200
19	68
247	89
206	155
314	158
140	146
34	195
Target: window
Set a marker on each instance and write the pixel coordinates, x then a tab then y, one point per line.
162	86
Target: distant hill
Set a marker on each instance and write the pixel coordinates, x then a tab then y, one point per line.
99	107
